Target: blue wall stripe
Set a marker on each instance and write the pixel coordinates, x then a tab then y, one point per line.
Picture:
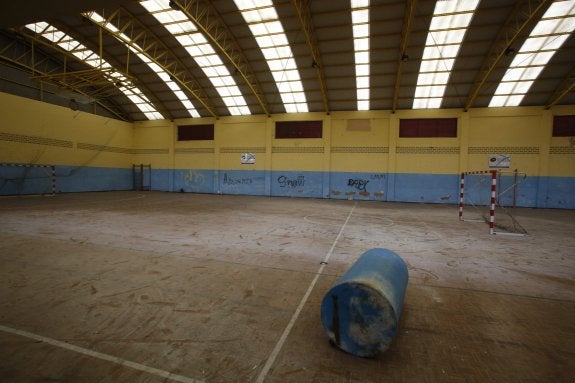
543	192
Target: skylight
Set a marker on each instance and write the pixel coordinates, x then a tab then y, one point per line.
91	58
547	37
178	92
264	23
360	27
201	51
448	26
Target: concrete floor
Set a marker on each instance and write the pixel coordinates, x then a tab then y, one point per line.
158	287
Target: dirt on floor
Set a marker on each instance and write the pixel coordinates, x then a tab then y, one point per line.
161	287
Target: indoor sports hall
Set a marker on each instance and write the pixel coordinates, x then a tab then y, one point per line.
183	183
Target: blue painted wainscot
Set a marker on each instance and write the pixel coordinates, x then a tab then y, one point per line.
541	192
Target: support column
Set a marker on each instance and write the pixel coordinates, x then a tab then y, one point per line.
391	156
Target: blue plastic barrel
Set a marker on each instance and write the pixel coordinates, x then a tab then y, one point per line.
360	313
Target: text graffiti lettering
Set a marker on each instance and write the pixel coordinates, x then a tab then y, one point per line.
359	184
228	180
291	182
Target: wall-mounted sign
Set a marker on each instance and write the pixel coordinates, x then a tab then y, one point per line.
499	161
248	158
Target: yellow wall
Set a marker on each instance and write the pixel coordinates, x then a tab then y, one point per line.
154	144
518	132
34	132
30	127
359	140
300	154
192	154
233	138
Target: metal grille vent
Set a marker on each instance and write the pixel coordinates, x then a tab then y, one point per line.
427	150
35	140
286	149
503	149
360	149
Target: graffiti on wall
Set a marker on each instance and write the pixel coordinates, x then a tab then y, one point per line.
286	182
365	185
231	180
358	183
194	178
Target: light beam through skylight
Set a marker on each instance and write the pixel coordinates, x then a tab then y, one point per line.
360	26
88	56
178	92
547	37
448	26
201	51
264	23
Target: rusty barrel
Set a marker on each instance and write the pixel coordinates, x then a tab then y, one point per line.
360	313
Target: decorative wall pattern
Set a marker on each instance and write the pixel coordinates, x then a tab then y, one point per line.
194	151
115	149
259	149
503	149
562	150
360	149
304	149
21	138
427	150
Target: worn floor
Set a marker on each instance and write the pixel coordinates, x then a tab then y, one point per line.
159	287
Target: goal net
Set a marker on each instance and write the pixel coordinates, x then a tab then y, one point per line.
27	179
491	196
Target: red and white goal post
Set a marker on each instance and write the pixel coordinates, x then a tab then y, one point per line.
482	194
50	187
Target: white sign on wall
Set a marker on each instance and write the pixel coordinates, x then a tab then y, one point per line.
248	158
499	161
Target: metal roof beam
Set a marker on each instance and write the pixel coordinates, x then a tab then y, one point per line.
304	15
29	60
405	31
137	36
206	18
97	88
524	14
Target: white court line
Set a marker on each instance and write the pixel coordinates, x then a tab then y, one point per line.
281	341
99	355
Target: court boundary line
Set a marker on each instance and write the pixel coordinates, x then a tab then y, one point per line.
279	345
98	355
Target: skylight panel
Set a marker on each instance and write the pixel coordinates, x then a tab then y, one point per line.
443	65
433	78
256	15
360	16
268	31
170	17
360	28
545	39
288	75
361	44
446	32
91	58
276	52
179	28
359	3
451	36
441	52
187	34
451	21
427	103
153	66
362	71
